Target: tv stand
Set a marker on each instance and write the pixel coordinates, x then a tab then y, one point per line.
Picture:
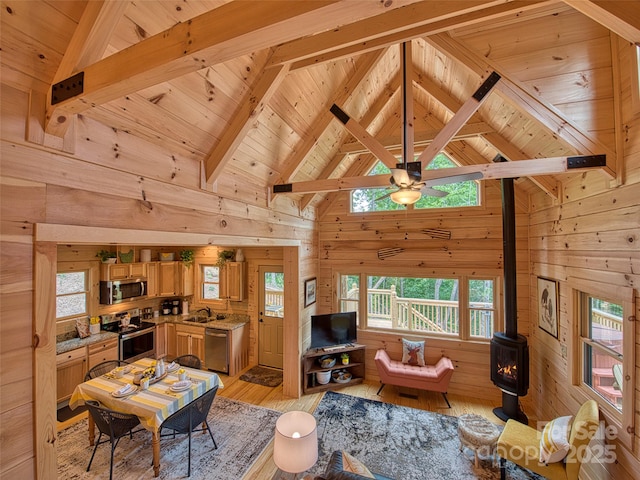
311	366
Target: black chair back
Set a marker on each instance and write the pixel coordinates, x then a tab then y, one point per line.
192	361
102	368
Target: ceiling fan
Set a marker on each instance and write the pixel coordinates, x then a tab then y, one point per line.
408	179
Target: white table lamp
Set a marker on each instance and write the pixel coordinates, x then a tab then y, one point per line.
295	447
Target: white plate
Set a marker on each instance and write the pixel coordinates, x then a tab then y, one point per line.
131	391
172	367
180	386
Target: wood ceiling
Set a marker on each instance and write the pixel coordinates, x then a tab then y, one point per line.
244	88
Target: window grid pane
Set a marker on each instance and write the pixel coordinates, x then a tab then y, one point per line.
71	294
211	282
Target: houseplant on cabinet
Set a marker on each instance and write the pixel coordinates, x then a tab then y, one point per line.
187	257
106	256
225	256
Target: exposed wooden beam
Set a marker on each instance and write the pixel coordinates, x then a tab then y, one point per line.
463	114
226	32
395	27
524	99
421	139
621	17
254	101
521	168
364	67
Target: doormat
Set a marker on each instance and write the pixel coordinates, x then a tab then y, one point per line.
268	377
65	413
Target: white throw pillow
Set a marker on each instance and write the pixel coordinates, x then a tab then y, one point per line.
554	443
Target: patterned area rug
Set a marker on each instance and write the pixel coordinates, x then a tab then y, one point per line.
242	431
268	377
399	442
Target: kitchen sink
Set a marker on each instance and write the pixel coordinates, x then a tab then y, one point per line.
197	319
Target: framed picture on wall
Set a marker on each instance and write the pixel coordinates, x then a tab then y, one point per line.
309	292
548	306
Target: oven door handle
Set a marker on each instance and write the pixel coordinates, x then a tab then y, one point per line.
127	336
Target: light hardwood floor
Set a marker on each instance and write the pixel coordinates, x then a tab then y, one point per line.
268	397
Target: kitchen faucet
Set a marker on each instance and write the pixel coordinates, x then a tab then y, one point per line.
205	309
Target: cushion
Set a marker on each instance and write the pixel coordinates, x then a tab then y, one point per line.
413	352
554	443
352	465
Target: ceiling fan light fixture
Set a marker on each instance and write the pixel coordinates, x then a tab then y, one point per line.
406	197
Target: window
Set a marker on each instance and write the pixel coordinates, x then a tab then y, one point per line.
635	82
605	353
210	282
462	194
602	341
71	294
422	304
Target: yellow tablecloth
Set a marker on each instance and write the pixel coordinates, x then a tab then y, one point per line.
152	406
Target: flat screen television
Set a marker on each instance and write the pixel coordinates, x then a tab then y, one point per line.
333	329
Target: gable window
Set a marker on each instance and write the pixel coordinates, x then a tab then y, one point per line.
72	294
422	305
210	275
635	81
606	351
461	194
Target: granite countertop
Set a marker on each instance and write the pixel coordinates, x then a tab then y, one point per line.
231	322
77	342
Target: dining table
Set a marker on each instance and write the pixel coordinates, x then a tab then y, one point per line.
152	405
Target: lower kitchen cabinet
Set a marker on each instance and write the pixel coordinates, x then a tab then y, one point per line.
238	349
190	341
102	351
172	348
71	368
161	340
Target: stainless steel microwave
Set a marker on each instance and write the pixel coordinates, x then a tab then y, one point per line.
118	291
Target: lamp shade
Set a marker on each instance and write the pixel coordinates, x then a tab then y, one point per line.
295	447
405	196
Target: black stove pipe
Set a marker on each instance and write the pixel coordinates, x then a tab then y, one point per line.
509	258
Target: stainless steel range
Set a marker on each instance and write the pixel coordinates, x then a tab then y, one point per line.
137	338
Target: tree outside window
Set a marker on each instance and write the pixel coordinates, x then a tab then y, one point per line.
71	294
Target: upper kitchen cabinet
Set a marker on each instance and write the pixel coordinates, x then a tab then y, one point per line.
122	271
174	279
233	285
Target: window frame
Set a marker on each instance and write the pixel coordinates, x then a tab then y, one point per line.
464	312
623	422
92	291
635	81
217	302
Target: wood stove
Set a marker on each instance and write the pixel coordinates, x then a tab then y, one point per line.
509	350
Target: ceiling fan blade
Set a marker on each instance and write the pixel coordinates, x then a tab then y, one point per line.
383	196
453	179
519	168
400	177
364	137
461	117
432	192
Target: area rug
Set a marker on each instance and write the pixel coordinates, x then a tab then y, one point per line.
399	442
242	431
268	377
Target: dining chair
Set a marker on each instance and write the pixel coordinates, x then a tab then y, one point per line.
187	418
113	424
103	367
192	361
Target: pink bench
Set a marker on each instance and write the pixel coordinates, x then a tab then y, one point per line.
430	377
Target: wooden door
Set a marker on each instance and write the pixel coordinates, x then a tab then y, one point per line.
271	317
183	343
167	275
197	346
161	340
69	375
172	348
152	279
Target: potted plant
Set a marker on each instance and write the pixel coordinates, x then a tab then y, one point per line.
187	257
106	256
345	358
225	256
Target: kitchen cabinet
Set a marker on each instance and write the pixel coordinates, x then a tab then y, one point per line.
174	279
122	271
172	349
238	349
152	279
71	368
233	285
102	351
190	341
161	340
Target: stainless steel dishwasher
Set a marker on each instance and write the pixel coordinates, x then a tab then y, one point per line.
216	350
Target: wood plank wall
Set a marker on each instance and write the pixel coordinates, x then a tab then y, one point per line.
93	189
349	243
593	235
